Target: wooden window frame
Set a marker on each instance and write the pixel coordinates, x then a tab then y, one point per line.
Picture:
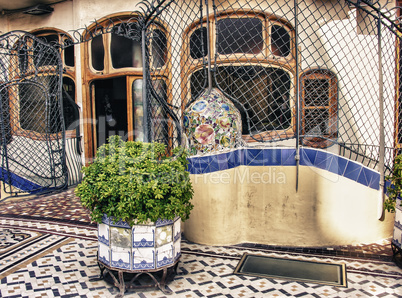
68	71
46	70
108	68
398	87
62	36
265	59
327	139
398	96
132	73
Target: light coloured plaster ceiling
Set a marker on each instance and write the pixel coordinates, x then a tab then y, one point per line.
16	5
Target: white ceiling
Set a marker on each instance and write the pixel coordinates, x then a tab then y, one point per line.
8	5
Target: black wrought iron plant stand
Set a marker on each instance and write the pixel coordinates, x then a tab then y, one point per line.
167	271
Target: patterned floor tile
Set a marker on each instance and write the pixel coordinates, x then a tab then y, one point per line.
57	235
43	226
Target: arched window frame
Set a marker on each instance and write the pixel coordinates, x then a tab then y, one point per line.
102	28
266	58
28	69
69	71
329	137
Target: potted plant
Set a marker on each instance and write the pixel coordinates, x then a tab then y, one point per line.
393	203
138	195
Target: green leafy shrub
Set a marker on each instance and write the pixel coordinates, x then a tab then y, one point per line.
394	191
136	182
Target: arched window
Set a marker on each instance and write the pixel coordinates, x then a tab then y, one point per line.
113	81
34	100
319	97
70	110
253	63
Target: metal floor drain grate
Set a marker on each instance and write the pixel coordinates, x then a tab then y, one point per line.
306	271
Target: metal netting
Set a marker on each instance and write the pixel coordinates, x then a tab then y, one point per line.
318	74
322	74
31	119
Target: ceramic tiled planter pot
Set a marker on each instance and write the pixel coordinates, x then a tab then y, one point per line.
139	247
397	237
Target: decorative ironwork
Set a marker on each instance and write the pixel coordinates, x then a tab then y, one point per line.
337	70
320	74
31	118
159	282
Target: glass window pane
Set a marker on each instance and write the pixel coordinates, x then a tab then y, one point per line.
70	108
5	109
280	41
242	35
138	111
319	95
69	56
39	109
158	114
52	39
23	57
43	54
316	92
198	43
263	91
125	52
159	48
199	82
316	122
97	53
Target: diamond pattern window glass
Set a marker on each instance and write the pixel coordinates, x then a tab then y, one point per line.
319	95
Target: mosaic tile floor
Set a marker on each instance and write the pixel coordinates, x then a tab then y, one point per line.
49	250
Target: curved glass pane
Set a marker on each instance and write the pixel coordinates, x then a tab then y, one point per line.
70	108
159	48
138	110
97	53
125	52
50	58
264	92
280	41
38	105
159	117
69	56
239	35
198	43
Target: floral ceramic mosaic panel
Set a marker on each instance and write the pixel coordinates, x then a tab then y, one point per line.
212	123
120	244
163	235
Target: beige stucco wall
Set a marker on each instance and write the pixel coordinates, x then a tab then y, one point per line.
261	205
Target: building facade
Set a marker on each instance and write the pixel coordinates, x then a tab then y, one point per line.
315	85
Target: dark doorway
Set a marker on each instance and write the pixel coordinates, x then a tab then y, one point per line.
110	97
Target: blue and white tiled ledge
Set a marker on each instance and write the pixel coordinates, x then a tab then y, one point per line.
285	157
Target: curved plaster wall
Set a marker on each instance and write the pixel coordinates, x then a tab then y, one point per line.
249	195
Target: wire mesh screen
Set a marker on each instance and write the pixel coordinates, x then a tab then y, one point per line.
31	120
318	74
322	74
